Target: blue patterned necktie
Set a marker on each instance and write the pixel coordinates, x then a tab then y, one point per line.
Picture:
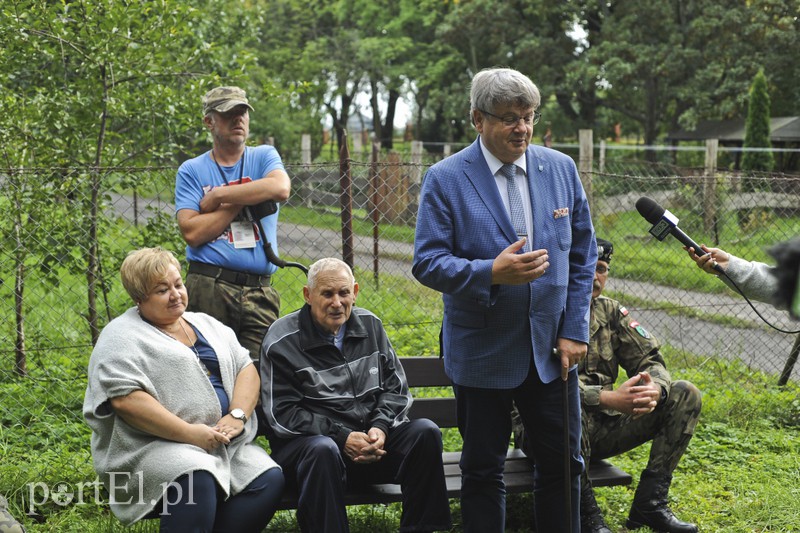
515	203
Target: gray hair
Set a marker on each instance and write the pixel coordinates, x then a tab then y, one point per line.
328	264
493	87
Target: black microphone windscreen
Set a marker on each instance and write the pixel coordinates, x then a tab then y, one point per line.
649	209
787	272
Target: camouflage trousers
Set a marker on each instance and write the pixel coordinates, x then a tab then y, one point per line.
8	524
670	427
248	311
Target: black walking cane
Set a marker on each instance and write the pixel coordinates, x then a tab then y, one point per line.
259	211
567	452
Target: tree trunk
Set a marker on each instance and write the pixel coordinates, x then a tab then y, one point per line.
346	203
650	120
388	125
92	262
20	357
376	112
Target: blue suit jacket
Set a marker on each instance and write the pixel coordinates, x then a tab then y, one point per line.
490	331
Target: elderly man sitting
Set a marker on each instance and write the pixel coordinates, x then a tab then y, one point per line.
336	400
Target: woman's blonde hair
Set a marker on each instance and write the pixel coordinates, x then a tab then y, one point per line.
143	269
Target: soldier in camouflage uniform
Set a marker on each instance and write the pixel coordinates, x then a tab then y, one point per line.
648	406
8	524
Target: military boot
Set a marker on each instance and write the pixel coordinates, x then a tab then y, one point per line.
650	508
591	517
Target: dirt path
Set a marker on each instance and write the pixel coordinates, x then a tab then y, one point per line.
758	347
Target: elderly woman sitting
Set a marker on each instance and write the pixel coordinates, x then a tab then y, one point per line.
170	401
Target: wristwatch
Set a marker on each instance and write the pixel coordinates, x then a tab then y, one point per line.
239	415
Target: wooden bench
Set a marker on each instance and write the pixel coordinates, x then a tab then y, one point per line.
518	475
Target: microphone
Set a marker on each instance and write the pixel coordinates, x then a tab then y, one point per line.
787	272
664	223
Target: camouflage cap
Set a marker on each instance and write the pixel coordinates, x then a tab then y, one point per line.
604	250
224	99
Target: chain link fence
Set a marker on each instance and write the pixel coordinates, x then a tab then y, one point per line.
694	313
66	231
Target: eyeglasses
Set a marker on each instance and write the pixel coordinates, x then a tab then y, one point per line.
512	120
601	269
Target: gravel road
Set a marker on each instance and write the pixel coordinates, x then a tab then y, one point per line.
759	347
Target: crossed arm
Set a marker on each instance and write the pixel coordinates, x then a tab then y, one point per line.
220	206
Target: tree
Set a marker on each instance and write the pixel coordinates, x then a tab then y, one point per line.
387	52
652	65
757	128
463	37
317	48
656	65
92	86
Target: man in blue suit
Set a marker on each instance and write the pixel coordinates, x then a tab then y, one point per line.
504	233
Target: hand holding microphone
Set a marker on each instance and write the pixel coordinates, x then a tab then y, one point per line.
713	261
665	223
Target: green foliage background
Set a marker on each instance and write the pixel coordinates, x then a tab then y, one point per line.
757	127
117	82
91	87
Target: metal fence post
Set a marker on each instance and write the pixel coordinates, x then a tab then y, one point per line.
305	149
790	362
601	164
585	163
710	190
416	162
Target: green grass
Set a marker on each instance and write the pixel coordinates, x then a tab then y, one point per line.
741	472
330	218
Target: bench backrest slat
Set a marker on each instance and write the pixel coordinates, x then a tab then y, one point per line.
425	371
429	372
442	411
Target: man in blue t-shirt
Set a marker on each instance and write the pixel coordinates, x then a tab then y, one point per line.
220	198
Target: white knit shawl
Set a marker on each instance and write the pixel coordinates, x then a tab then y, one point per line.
133	355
